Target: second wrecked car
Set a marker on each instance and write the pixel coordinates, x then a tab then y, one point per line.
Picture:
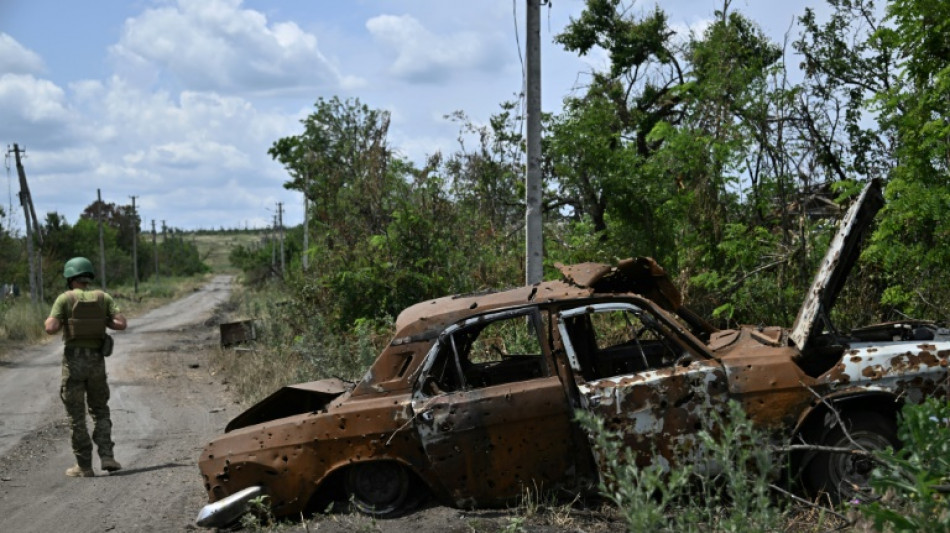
475	396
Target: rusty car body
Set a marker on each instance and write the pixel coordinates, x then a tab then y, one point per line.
475	396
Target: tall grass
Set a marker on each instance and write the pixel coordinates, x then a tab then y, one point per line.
22	321
294	345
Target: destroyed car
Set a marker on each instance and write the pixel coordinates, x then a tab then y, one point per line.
475	396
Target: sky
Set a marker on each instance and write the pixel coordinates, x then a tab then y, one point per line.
176	102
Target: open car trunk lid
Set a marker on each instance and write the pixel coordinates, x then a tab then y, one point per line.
813	317
289	401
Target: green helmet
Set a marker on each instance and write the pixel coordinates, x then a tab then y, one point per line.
78	266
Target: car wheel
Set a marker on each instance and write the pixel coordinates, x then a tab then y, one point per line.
846	476
379	489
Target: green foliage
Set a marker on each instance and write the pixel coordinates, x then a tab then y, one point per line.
259	516
892	84
743	485
913	483
643	495
653	498
384	234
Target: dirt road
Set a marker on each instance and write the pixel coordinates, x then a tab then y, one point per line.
165	406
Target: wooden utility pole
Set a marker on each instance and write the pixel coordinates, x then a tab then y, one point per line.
102	246
534	243
135	247
155	249
273	245
306	227
280	230
165	243
32	228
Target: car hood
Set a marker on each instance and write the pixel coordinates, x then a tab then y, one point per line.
813	317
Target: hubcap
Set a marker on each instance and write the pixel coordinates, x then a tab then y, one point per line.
851	473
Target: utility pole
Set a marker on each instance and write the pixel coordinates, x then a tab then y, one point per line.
155	249
165	241
102	246
306	227
32	227
135	247
534	242
273	245
280	232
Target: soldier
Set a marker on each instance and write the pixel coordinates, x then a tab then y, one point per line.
84	314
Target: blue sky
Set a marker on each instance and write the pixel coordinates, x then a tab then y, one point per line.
177	101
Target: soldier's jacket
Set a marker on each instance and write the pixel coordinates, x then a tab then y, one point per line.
92	308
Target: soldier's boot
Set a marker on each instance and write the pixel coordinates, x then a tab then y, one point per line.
80	471
109	464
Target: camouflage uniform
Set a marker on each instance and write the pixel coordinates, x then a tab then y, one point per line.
84	380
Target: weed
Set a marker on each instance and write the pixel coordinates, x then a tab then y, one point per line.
912	485
258	516
515	524
734	499
22	320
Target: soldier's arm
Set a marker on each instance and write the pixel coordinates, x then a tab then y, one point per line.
117	322
114	319
52	325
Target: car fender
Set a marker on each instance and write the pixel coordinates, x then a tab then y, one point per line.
814	424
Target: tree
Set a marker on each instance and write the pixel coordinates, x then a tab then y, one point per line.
916	107
889	79
341	162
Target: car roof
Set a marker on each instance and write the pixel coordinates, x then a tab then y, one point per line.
639	275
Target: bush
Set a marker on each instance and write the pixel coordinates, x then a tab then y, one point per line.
653	498
913	483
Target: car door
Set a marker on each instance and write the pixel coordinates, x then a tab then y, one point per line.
491	411
646	383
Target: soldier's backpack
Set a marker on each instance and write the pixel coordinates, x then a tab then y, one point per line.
87	320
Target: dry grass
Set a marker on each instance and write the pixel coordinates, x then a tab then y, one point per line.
256	371
21	323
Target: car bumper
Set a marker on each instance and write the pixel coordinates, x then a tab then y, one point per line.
227	510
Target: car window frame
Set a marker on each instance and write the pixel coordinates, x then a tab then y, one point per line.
447	335
674	332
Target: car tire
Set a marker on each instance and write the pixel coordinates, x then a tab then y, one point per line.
845	477
382	489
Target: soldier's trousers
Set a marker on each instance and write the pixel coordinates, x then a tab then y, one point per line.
84	380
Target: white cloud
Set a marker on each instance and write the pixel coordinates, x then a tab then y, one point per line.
209	154
423	56
696	28
33	111
215	45
16	59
